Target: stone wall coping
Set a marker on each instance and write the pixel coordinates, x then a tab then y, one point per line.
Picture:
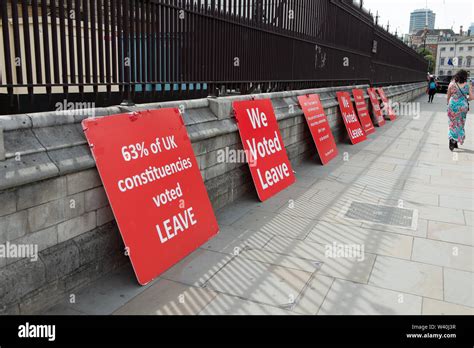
221	107
44	155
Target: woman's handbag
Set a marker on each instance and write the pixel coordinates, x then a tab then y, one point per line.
467	99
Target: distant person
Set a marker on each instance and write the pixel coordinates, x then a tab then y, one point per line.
460	92
432	87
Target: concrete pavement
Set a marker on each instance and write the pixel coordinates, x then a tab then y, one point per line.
387	228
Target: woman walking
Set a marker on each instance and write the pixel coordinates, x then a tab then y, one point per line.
432	86
459	94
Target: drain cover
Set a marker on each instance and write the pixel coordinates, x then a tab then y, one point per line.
382	214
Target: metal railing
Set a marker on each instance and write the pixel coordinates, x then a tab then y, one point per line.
107	51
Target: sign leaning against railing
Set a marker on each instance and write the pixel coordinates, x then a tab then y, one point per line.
266	154
154	186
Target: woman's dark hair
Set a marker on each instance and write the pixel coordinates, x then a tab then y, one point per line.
432	79
461	76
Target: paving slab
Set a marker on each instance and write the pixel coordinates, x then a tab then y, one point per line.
166	297
441	214
197	268
230	305
453	233
276	224
408	276
347	298
420	231
312	297
280	260
459	287
351	267
374	241
259	282
436	307
232	240
446	254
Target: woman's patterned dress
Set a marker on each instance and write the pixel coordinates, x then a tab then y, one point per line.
457	110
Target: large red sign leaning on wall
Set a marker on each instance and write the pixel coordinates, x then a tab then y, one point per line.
354	129
151	177
379	119
269	165
319	126
362	111
388	109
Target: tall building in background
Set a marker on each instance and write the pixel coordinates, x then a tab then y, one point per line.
421	18
471	29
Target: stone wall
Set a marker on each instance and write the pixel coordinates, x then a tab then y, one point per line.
51	195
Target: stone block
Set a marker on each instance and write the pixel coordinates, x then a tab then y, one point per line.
60	136
20	278
21	142
12	122
10	309
8	202
82	181
41	192
51	118
95	199
98	243
13	226
104	215
72	159
48	214
77	226
41	298
42	240
60	260
82	276
30	168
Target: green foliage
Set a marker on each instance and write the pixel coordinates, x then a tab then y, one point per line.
429	58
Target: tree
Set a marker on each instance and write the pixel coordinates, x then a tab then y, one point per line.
428	55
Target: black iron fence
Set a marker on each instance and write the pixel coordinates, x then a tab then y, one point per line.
107	51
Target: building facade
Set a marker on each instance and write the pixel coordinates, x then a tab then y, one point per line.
421	19
460	51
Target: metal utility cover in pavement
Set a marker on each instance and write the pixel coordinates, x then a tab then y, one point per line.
382	214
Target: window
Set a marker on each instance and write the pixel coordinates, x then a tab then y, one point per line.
470	48
468	61
451	48
459	61
461	48
443	49
441	72
450	72
442	61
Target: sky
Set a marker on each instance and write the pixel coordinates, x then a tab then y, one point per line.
449	13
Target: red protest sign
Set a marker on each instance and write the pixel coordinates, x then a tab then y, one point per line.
154	186
271	170
353	127
319	127
386	107
362	111
379	119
